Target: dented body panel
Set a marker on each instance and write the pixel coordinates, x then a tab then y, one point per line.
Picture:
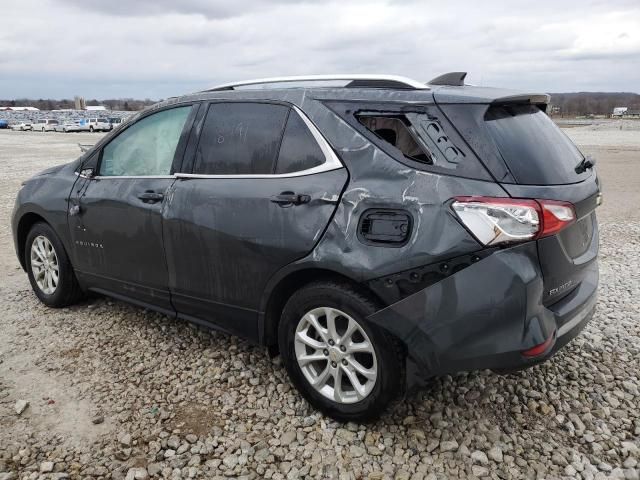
485	315
238	239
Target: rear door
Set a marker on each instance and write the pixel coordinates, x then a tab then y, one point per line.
117	225
532	158
260	190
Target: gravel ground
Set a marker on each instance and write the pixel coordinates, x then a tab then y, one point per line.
114	391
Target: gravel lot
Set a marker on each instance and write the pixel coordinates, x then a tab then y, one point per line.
117	392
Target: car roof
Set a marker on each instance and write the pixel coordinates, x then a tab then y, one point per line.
447	88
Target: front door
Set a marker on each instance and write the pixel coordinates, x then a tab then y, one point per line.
262	189
117	227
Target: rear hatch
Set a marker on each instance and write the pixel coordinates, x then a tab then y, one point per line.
532	158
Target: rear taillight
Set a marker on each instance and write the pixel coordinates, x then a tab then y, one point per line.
496	221
556	216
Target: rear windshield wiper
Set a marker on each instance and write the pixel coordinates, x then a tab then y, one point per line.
585	164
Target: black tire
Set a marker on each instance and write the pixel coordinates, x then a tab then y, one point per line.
67	291
390	359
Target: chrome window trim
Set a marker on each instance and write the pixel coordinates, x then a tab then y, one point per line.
301	173
331	160
108	177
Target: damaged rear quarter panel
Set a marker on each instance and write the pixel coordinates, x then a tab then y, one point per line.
377	180
466	321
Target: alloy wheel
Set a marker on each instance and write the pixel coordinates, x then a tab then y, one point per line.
44	264
335	355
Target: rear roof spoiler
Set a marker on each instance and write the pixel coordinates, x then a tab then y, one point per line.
539	99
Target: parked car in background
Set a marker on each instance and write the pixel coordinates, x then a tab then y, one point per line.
375	234
116	122
95	125
4	124
22	126
68	126
45	125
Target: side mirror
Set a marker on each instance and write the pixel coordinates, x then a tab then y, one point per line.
87	173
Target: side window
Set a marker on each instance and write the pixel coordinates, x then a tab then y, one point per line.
299	150
240	138
395	130
147	147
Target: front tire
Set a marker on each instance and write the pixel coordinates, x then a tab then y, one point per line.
344	366
49	269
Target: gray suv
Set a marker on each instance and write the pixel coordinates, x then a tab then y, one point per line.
374	231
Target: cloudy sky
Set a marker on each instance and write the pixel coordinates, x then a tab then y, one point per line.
159	48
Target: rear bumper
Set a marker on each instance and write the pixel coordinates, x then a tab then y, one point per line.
485	316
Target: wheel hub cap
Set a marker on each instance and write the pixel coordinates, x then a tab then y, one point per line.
44	264
335	355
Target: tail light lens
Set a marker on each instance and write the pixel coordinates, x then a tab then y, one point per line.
496	221
556	216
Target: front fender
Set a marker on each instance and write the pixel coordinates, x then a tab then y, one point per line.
46	198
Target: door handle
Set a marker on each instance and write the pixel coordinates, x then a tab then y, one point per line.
151	197
290	198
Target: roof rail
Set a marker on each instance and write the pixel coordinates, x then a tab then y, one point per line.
455	79
354	81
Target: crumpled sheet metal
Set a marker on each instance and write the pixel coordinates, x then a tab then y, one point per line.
489	308
379	181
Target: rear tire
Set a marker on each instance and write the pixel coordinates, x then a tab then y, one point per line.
50	272
361	358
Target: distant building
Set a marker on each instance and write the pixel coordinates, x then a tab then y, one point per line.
20	109
79	103
624	112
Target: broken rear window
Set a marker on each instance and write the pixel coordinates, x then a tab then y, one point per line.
396	131
418	136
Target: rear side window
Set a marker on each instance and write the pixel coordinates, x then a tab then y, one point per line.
240	139
397	132
299	150
536	151
417	136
